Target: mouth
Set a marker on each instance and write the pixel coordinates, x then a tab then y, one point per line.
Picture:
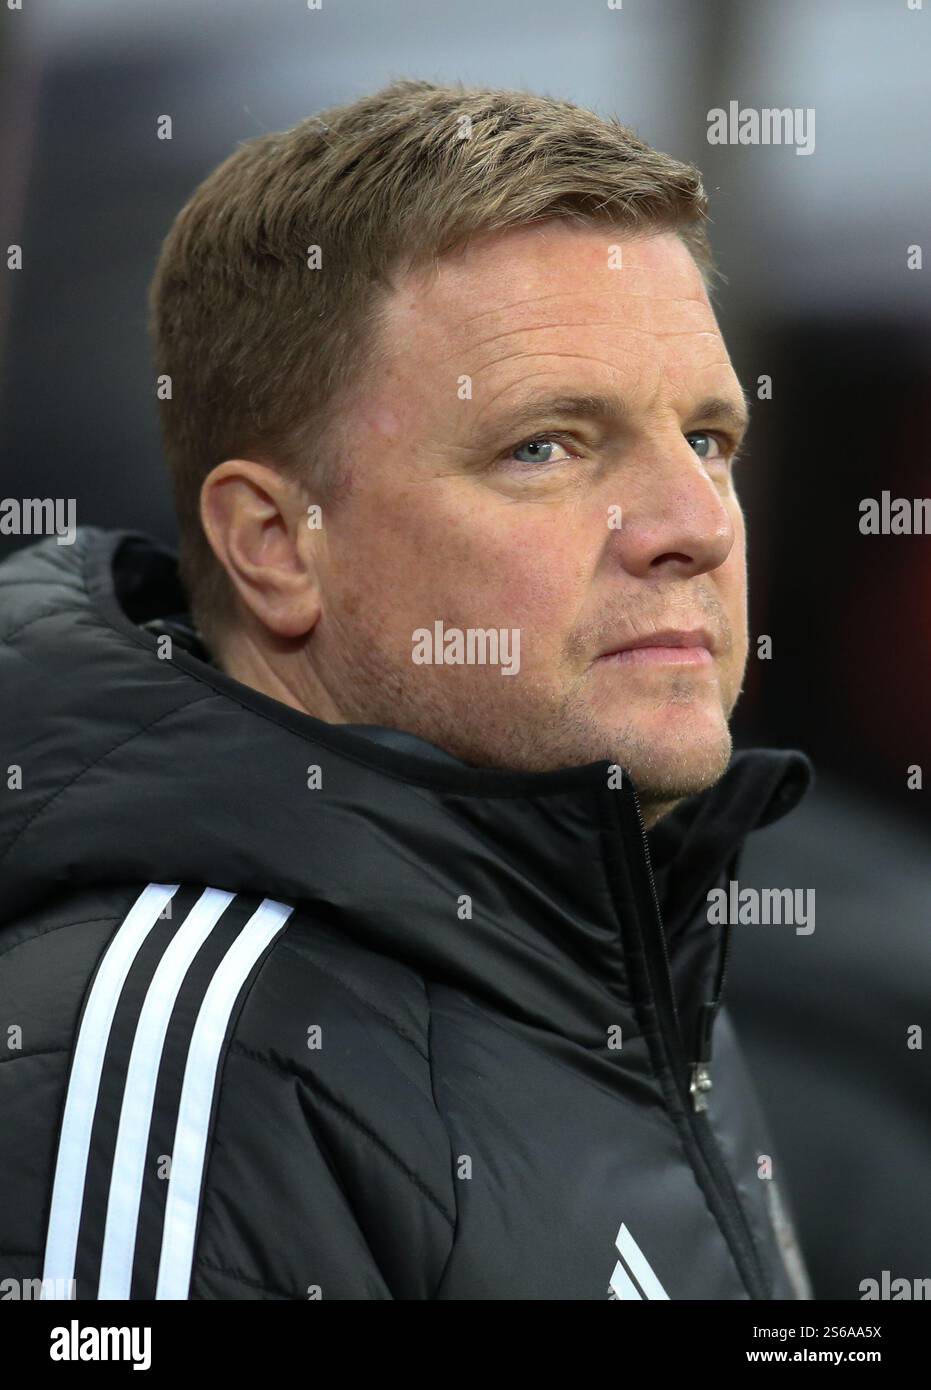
669	647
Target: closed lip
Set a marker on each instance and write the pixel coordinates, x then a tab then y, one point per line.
667	637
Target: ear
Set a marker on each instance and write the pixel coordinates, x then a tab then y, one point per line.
255	519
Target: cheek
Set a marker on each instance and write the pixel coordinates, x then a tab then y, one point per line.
734	569
733	575
523	570
492	564
406	557
732	588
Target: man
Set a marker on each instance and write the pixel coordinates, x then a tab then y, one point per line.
355	945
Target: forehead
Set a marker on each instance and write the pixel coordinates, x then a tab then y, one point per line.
544	280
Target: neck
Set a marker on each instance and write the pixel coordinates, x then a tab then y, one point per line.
281	674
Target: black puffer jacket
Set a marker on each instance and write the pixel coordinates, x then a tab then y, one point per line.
295	1010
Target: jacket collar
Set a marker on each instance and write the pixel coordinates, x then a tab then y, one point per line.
500	883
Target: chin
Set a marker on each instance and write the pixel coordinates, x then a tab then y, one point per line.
678	753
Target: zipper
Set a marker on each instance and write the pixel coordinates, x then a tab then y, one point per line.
693	1081
700	1073
700	1083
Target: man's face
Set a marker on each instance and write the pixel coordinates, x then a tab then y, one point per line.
477	500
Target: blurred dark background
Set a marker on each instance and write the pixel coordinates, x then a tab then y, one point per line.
818	297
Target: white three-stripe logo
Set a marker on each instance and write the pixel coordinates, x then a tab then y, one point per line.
638	1272
197	1090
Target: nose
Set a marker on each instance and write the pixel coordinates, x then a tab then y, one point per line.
675	519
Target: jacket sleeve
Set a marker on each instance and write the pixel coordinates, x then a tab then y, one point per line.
168	1132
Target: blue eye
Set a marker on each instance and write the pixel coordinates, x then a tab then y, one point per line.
702	434
537	449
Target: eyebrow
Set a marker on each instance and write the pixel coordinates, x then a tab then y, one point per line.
612	408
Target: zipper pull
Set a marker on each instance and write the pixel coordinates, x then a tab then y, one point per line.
700	1083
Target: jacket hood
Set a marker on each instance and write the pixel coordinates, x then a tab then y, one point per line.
136	768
